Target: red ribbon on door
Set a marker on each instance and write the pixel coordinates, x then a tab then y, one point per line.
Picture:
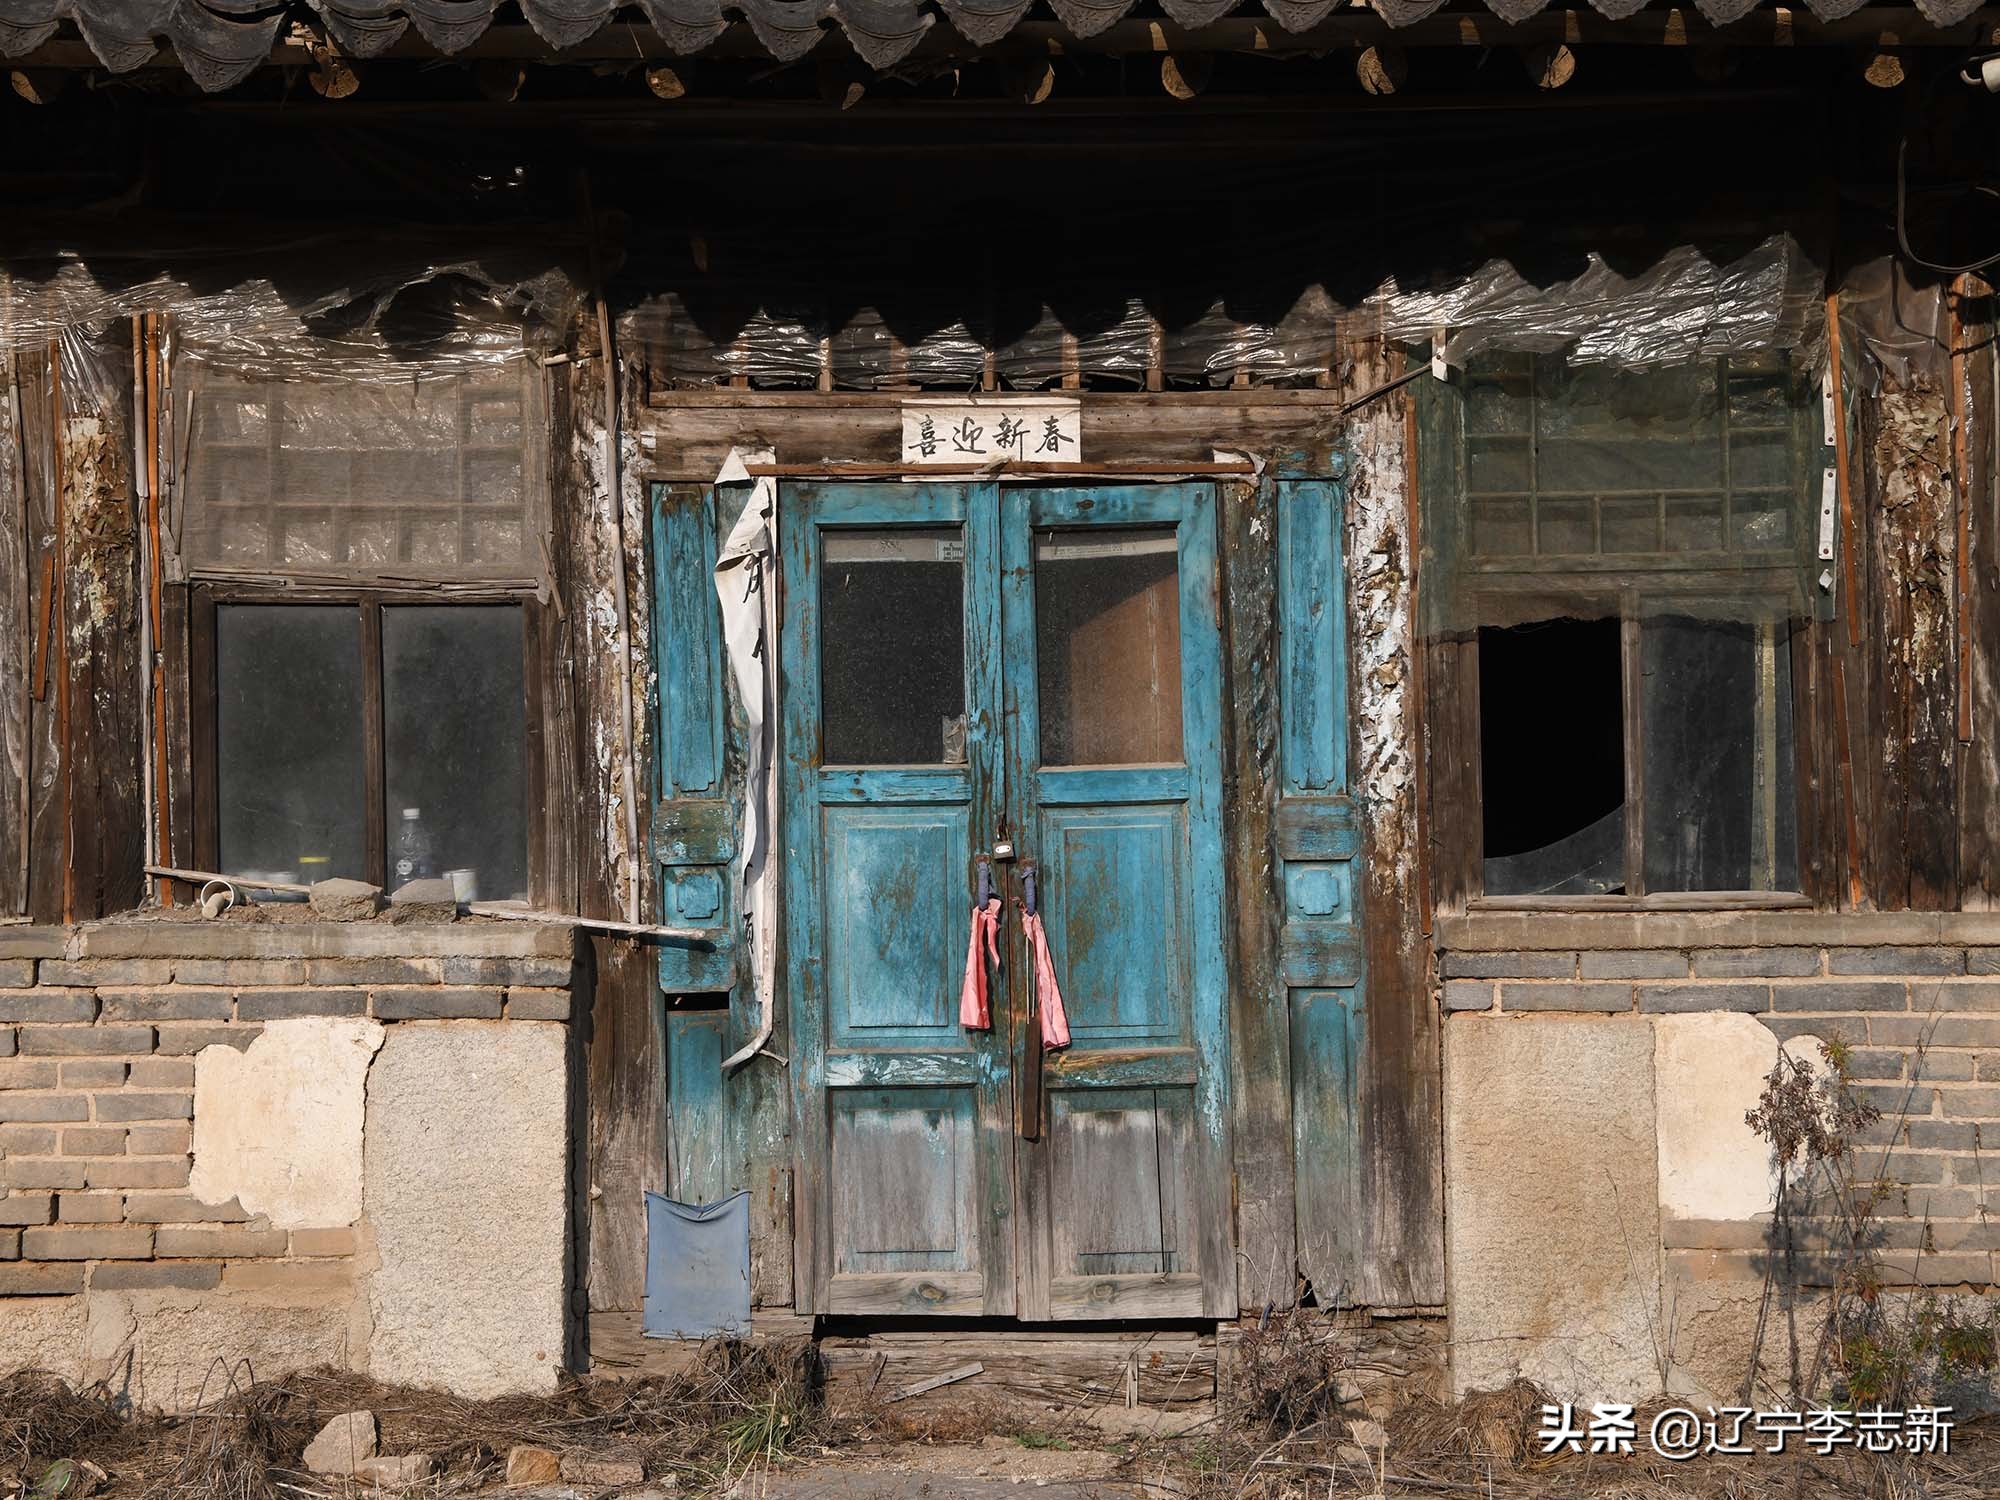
975	1007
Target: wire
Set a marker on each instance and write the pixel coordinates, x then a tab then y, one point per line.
1902	224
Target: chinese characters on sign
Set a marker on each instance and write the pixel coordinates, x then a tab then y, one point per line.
1681	1432
972	432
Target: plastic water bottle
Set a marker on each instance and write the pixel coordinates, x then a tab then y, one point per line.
413	849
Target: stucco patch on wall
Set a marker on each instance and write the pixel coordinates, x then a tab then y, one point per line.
1710	1069
1552	1218
466	1195
278	1125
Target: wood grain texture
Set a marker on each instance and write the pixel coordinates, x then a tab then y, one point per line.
1979	759
17	629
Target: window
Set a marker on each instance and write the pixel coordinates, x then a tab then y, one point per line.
375	737
1625	553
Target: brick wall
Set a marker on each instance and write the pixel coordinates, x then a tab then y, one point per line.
1916	996
100	1028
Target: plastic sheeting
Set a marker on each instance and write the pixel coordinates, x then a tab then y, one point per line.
221	41
780	348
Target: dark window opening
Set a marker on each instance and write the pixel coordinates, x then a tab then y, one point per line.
892	647
1552	758
374	740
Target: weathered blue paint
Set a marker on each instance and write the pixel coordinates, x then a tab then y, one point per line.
701	1164
693	829
899	1113
1318	841
1085	786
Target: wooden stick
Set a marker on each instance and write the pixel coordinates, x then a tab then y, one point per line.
1961	479
1849	605
949	1377
155	674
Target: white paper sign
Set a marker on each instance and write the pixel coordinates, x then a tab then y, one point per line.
969	432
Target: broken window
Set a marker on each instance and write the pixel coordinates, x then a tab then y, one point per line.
375	739
1628	550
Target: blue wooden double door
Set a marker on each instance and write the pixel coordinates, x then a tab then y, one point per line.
1028	680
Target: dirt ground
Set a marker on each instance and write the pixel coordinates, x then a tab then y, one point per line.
748	1424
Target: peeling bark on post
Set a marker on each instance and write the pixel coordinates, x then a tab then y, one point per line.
1402	1167
627	1128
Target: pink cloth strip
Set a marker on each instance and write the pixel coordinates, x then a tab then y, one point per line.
1048	996
975	1009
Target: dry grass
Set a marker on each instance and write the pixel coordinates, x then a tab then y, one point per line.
744	1407
740	1406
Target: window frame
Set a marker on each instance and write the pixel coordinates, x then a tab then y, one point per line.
1451	690
203	685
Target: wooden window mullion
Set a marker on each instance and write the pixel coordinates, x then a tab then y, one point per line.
374	769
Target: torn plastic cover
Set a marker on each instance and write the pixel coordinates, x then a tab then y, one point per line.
781	347
1891	328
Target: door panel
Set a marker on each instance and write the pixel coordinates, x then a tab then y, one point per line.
1113	677
901	1116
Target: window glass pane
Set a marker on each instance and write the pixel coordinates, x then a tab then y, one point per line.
1554	805
289	772
454	723
1108	646
1716	730
892	647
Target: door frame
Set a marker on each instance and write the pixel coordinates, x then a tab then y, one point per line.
1000	623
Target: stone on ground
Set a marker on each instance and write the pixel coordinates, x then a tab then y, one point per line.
344	1444
526	1465
394	1473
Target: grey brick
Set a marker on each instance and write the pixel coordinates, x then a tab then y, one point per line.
6	1041
159	1140
130	1276
44	1108
537	972
1595	997
1822	996
1955	995
1880	1062
163	1073
1930	1203
1896	1100
1826	1028
10	1244
28	1073
279	1005
1982	960
230	1242
1895	960
185	1041
93	1073
1635	963
1506	966
135	1106
27	1208
47	1005
180	1208
94	1140
1467	994
165	1005
1971	1104
41	1172
374	970
91	1208
85	1041
137	1172
1756	963
1938	1135
33	942
43	1280
1902	1167
28	1140
1943	1067
1938	1030
429	1004
554	1005
1684	999
17	973
94	972
126	1243
240	971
